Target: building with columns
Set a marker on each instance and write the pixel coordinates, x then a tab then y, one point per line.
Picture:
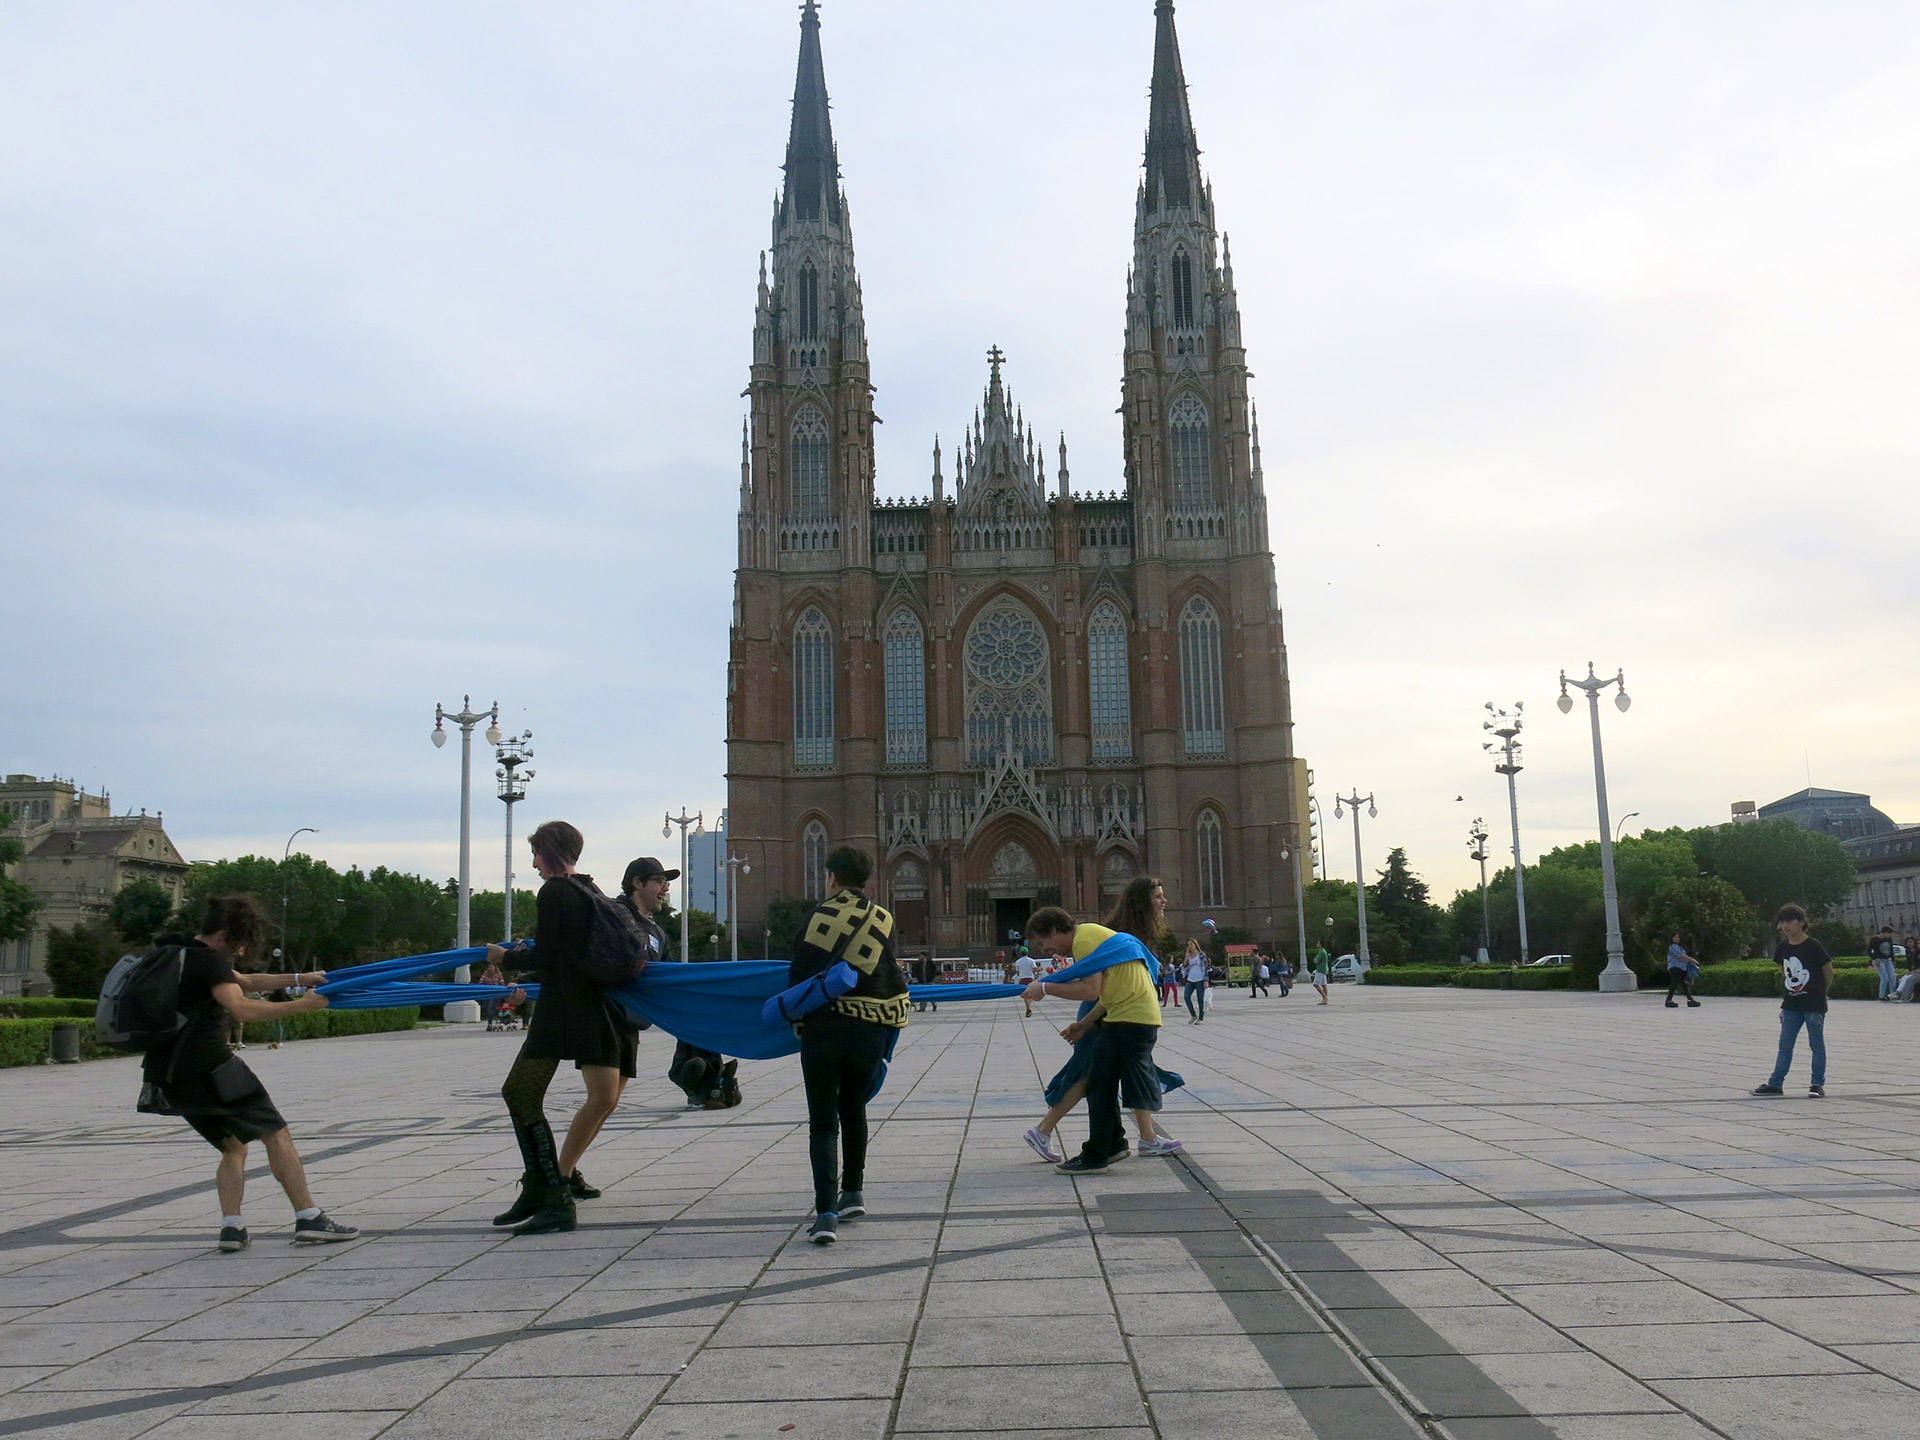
1011	692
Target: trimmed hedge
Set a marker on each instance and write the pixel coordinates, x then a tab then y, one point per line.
45	1007
1410	975
27	1041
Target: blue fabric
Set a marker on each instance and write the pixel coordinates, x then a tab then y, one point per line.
814	993
712	1006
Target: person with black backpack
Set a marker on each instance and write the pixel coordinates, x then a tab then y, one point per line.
584	943
708	1079
174	1001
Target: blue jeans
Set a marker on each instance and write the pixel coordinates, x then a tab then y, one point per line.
1791	1023
1887	982
1196	997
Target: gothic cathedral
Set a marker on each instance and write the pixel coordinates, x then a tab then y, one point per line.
1012	694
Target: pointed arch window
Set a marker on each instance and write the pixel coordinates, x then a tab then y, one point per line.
1203	710
1109	690
1009	687
906	651
1210	855
807	310
1182	290
1189	437
811	499
813	860
812	690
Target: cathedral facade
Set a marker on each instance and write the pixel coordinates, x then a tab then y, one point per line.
1011	693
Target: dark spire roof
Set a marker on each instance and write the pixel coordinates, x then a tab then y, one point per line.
813	166
1173	155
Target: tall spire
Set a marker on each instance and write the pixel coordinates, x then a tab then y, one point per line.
1173	154
812	190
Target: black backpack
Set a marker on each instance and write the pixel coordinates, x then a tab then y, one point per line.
618	945
139	1005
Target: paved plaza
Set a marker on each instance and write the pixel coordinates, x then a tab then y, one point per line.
1487	1215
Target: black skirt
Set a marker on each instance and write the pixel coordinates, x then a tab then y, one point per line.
225	1104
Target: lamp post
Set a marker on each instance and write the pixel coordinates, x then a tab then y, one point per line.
1621	824
683	820
1354	802
1477	837
1506	726
1616	977
1320	821
285	855
466	720
512	753
1292	852
736	867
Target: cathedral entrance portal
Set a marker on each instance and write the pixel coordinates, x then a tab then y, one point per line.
1009	919
1013	882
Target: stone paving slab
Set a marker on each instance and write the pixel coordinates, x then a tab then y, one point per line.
1474	1215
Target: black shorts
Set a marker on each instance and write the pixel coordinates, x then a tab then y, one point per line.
1132	1047
230	1104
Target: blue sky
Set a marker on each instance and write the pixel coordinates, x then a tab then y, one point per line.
357	357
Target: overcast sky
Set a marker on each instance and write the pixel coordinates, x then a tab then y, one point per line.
358	356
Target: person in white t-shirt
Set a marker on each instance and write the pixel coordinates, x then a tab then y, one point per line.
1195	965
1023	972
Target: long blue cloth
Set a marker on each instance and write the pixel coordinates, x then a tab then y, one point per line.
712	1006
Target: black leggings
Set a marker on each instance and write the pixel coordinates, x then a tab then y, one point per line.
838	1063
1679	980
525	1092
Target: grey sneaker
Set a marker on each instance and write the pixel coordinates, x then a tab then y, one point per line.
824	1230
322	1229
852	1205
234	1237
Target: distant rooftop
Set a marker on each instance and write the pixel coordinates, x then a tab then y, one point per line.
1843	814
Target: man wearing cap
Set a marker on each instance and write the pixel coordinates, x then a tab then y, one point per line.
704	1075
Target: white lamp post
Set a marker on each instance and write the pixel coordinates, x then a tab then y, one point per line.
1292	852
1616	977
683	820
736	867
466	720
1506	728
512	753
1478	838
1353	802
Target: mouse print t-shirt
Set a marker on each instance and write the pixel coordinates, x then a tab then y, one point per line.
1804	973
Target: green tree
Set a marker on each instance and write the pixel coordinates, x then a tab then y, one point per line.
139	911
1712	918
79	958
334	919
1772	862
487	914
18	904
785	916
1641	866
1331	919
1415	929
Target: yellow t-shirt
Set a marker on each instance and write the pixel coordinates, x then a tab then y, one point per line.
1129	994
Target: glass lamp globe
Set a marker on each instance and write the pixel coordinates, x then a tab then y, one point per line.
1622	702
1565	702
1372	814
439	737
493	734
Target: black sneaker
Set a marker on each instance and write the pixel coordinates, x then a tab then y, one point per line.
1674	1004
1767	1090
554	1217
322	1230
1693	1004
852	1205
824	1230
1816	1092
1121	1154
1080	1165
580	1189
234	1237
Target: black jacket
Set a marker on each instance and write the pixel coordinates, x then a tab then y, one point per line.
852	928
574	1019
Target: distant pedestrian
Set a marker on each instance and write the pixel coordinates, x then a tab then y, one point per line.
844	1045
1807	973
1195	965
195	1076
1257	977
1023	972
1880	951
1283	973
1318	974
1682	969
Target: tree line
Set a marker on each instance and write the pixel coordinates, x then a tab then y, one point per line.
325	919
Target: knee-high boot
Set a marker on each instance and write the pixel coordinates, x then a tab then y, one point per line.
556	1198
533	1185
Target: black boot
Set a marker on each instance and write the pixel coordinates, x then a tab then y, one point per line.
556	1206
578	1187
532	1192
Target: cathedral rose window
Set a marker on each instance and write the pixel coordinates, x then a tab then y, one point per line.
1009	692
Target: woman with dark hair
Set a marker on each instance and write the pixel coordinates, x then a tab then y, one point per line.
573	1021
194	1075
1141	913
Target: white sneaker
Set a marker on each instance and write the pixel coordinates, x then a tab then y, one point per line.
1159	1145
1042	1146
